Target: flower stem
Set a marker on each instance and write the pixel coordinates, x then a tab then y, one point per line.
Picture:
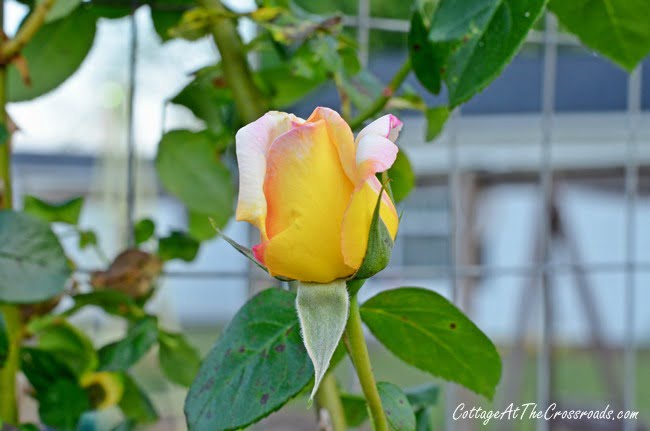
329	399
356	344
385	96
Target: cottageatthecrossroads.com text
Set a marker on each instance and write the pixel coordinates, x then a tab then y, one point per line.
531	411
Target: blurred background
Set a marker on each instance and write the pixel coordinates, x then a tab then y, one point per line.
531	210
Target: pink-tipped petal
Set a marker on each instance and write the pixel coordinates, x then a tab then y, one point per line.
253	142
387	126
374	154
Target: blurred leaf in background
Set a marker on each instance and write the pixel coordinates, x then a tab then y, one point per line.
54	54
617	29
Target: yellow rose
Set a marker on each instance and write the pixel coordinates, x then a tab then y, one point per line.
310	188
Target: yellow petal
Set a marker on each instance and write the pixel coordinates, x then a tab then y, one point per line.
307	192
340	133
357	219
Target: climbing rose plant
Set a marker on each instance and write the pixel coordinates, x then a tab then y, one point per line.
324	202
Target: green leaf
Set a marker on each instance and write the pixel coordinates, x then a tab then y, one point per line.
64	212
380	246
436	119
355	408
323	312
33	265
399	404
111	301
618	29
178	245
61	405
143	230
121	354
423	420
427	331
166	14
61	9
178	359
257	365
43	368
426	61
423	396
135	403
402	177
4	341
87	238
480	38
111	10
69	345
210	99
398	410
189	167
54	54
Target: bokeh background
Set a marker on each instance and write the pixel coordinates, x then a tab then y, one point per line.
531	210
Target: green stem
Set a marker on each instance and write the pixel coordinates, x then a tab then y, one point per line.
356	344
11	313
379	103
329	399
249	100
8	400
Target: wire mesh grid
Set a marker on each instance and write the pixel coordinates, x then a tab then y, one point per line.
456	270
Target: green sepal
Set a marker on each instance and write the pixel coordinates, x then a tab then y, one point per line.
380	245
247	252
323	312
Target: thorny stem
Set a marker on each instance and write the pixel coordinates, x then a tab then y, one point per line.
381	101
27	31
249	100
358	350
9	409
11	313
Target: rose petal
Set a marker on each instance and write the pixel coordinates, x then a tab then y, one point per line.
307	193
253	142
374	154
387	126
357	219
341	134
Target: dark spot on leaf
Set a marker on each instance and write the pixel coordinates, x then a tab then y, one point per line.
289	331
443	70
280	348
401	401
416	47
219	82
404	318
465	38
264	399
242	349
207	385
452	325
